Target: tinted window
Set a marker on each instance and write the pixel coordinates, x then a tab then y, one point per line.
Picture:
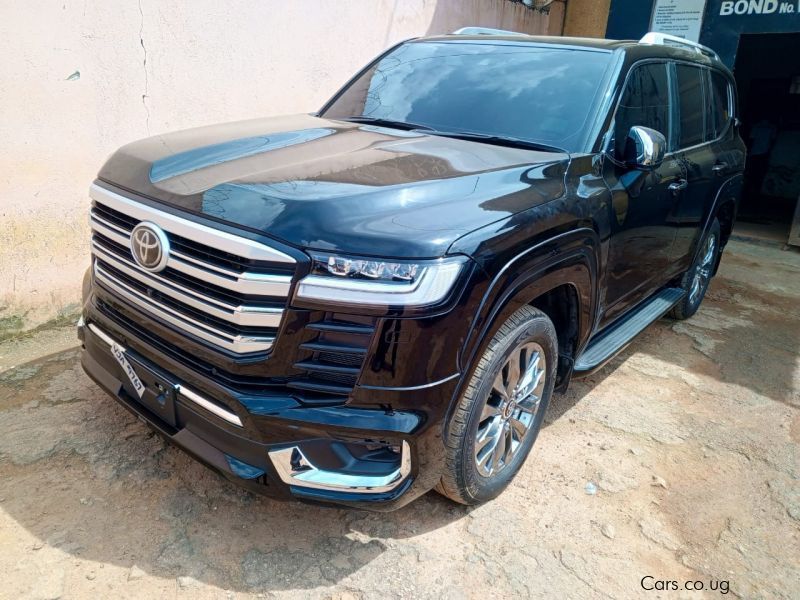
644	102
692	109
722	111
540	94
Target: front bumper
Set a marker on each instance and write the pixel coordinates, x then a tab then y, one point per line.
377	459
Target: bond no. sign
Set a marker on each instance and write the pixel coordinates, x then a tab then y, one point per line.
759	7
682	18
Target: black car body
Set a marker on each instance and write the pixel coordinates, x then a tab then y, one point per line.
243	356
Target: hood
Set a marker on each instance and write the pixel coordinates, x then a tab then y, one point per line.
332	185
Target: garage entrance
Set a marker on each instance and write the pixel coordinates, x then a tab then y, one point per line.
760	41
767	71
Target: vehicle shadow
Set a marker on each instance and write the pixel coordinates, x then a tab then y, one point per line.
754	357
81	474
746	334
742	336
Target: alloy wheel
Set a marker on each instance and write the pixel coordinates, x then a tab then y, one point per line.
703	272
510	408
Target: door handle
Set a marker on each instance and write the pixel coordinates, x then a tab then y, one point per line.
720	168
678	186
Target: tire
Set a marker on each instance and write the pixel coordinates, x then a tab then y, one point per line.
488	408
695	281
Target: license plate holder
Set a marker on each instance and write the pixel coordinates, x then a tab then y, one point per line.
118	352
148	388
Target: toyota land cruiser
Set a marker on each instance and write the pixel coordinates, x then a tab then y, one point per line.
379	299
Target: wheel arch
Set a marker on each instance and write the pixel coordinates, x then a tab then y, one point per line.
561	269
724	207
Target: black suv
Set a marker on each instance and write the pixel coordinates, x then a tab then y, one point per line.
363	304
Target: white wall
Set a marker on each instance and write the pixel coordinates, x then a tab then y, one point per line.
155	66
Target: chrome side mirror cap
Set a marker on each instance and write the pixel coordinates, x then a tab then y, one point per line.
644	148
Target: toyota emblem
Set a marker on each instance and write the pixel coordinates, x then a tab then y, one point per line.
150	246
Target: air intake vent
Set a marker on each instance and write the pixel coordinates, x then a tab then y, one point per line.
336	354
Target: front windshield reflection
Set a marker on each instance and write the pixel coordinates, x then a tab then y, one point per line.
539	94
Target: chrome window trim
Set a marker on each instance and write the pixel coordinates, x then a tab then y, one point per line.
180	389
226	242
239	344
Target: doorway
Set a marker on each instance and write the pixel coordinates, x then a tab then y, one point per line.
767	72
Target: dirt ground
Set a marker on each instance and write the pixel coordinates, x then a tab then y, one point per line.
678	462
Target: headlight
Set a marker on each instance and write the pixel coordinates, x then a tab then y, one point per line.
339	279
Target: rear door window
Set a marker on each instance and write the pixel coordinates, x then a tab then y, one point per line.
644	102
692	107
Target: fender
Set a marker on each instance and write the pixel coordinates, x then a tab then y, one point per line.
568	258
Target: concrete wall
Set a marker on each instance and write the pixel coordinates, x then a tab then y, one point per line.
586	18
80	79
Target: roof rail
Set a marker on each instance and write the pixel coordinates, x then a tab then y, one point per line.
484	31
665	39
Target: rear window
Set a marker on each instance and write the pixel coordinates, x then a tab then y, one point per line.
536	93
692	108
721	101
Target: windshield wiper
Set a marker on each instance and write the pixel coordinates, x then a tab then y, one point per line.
499	140
461	135
388	123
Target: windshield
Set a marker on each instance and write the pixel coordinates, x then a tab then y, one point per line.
539	94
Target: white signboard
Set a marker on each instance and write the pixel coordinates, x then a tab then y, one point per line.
681	18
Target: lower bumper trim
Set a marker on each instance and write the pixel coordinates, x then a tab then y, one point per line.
294	469
184	392
181	390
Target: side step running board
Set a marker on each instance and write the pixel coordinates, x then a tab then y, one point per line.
620	334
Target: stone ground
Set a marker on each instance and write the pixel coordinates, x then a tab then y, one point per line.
679	461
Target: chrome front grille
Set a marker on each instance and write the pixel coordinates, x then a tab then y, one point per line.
226	290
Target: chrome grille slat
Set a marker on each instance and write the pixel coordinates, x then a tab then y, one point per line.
215	286
240	315
215	238
239	343
99	226
109	225
276	285
189	259
251	284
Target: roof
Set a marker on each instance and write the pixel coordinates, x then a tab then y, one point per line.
634	48
596	43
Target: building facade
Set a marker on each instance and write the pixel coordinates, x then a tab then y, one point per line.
759	40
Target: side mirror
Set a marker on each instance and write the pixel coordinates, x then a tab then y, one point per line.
644	148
